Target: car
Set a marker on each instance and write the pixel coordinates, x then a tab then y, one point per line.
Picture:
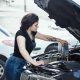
6	49
65	67
64	17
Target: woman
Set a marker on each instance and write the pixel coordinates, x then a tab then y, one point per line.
24	44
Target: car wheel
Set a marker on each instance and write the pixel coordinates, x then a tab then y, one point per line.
2	65
53	46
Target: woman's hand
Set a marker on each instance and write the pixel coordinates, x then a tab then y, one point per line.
38	63
63	41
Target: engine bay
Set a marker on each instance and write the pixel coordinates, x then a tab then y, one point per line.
57	66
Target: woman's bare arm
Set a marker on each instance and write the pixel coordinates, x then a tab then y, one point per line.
24	52
49	38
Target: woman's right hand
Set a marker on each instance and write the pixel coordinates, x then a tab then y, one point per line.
38	63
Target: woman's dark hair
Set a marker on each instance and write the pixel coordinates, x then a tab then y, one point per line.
28	20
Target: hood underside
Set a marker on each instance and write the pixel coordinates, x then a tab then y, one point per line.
66	13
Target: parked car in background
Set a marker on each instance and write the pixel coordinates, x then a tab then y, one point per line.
43	47
6	48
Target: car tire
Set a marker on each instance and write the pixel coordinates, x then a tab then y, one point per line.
2	66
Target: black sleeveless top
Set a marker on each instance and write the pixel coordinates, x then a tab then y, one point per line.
30	44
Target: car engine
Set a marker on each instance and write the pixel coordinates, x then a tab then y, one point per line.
57	66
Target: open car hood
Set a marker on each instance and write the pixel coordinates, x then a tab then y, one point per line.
66	13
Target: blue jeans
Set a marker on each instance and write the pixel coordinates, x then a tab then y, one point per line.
14	68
